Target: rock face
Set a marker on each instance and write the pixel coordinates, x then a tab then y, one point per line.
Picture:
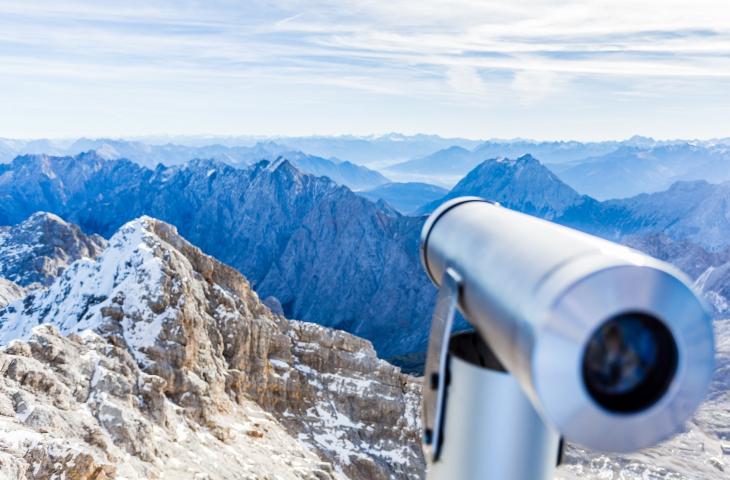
79	408
166	345
297	237
10	291
36	251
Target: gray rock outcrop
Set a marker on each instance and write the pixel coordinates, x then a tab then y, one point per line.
193	346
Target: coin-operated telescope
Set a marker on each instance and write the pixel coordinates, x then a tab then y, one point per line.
576	338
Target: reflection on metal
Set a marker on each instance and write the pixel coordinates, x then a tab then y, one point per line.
491	430
435	374
540	293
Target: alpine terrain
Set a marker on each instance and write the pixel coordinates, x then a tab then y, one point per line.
154	360
143	356
297	237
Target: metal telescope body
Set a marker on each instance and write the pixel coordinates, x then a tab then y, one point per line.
576	338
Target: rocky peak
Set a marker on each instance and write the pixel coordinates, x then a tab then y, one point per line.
46	164
523	160
37	250
523	184
206	345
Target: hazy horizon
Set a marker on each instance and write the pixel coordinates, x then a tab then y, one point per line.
152	138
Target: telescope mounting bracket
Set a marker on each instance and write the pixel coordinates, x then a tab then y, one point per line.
435	377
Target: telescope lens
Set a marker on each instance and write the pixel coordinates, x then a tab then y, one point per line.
629	362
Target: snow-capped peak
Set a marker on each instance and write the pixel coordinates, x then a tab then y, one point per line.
122	284
196	327
42	217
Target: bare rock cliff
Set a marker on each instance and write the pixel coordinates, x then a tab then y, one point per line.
154	344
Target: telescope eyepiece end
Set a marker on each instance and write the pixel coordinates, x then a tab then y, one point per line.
629	362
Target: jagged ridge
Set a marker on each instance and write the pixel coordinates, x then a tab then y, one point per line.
196	326
297	237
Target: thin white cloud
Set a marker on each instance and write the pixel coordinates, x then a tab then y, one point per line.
532	86
433	51
465	79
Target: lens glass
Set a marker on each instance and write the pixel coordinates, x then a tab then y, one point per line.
629	362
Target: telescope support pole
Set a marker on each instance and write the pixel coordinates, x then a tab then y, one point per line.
490	428
478	423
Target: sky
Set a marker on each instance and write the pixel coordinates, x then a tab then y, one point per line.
588	69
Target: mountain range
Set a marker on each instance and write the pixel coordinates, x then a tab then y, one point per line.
182	366
457	160
328	255
153	360
631	170
602	170
169	150
375	150
150	155
325	253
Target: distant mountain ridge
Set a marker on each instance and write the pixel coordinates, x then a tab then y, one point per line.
522	184
149	155
364	150
695	211
453	160
326	254
603	170
630	170
456	160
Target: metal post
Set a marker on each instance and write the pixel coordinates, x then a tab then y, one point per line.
490	430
